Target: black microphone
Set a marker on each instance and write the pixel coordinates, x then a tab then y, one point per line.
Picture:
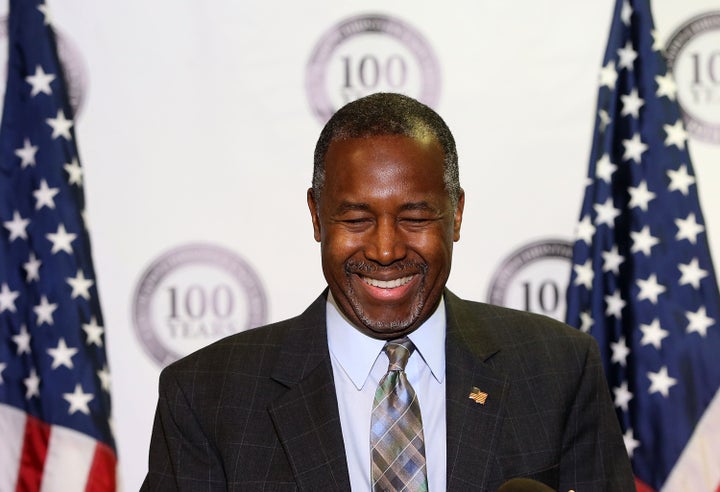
524	485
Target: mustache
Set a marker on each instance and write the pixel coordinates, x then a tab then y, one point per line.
364	267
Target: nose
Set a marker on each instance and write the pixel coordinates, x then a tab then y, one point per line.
386	243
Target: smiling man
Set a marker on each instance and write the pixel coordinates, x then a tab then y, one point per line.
388	381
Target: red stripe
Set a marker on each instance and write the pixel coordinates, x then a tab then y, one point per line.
102	476
642	486
32	460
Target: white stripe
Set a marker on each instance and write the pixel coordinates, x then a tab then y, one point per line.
12	430
69	457
697	469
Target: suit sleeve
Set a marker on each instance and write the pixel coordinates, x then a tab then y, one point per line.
593	452
181	456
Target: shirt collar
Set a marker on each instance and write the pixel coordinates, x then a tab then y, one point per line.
356	352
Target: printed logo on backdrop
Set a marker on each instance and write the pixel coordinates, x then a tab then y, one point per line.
74	67
366	54
534	278
193	295
693	56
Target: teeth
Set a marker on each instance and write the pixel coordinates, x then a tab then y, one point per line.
387	284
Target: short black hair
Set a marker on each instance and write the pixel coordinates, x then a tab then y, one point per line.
387	114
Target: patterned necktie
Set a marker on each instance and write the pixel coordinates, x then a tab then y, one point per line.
396	435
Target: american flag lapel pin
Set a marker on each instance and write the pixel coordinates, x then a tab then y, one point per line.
478	396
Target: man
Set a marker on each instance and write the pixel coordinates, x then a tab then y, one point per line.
300	404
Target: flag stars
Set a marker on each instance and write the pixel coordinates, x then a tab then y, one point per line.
640	196
692	273
32	385
634	148
17	226
653	334
676	134
622	396
60	126
586	322
75	172
78	400
44	311
631	104
45	196
80	285
666	86
643	241
605	119
627	56
680	180
620	352
40	82
612	260
584	274
626	13
615	305
605	169
688	229
650	289
631	444
93	332
7	298
62	240
699	321
585	230
606	213
62	355
657	42
32	268
22	340
608	75
27	154
104	377
661	382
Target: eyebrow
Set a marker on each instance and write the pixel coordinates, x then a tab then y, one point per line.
364	207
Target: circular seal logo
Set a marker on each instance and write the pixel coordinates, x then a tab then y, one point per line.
534	278
73	66
693	58
367	54
193	295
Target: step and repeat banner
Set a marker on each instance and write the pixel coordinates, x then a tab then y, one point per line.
196	123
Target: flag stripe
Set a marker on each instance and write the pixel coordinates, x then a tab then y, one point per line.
102	475
698	468
68	471
34	454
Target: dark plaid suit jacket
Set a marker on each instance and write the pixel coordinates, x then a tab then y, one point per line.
258	411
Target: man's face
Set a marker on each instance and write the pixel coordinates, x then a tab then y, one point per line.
386	228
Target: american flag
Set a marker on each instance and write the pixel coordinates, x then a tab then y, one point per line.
55	429
642	281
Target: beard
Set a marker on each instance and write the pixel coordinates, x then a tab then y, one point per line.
354	267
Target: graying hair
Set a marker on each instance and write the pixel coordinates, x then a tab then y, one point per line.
387	114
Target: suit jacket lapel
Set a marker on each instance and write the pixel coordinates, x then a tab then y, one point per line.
473	428
306	417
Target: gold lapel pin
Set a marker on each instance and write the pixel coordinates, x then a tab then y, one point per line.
478	396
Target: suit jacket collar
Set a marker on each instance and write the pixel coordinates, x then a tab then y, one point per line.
306	417
308	422
473	428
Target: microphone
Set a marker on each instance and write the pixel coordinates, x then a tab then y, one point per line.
524	485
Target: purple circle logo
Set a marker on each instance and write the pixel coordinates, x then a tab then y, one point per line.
693	58
193	295
367	54
534	278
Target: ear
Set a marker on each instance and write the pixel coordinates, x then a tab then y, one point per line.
458	215
314	209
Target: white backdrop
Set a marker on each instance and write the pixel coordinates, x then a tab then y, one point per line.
196	126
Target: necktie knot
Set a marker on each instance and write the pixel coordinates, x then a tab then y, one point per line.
398	351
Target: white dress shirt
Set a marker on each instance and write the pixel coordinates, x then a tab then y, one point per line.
359	363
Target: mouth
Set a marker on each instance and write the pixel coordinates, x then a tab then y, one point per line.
387	284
